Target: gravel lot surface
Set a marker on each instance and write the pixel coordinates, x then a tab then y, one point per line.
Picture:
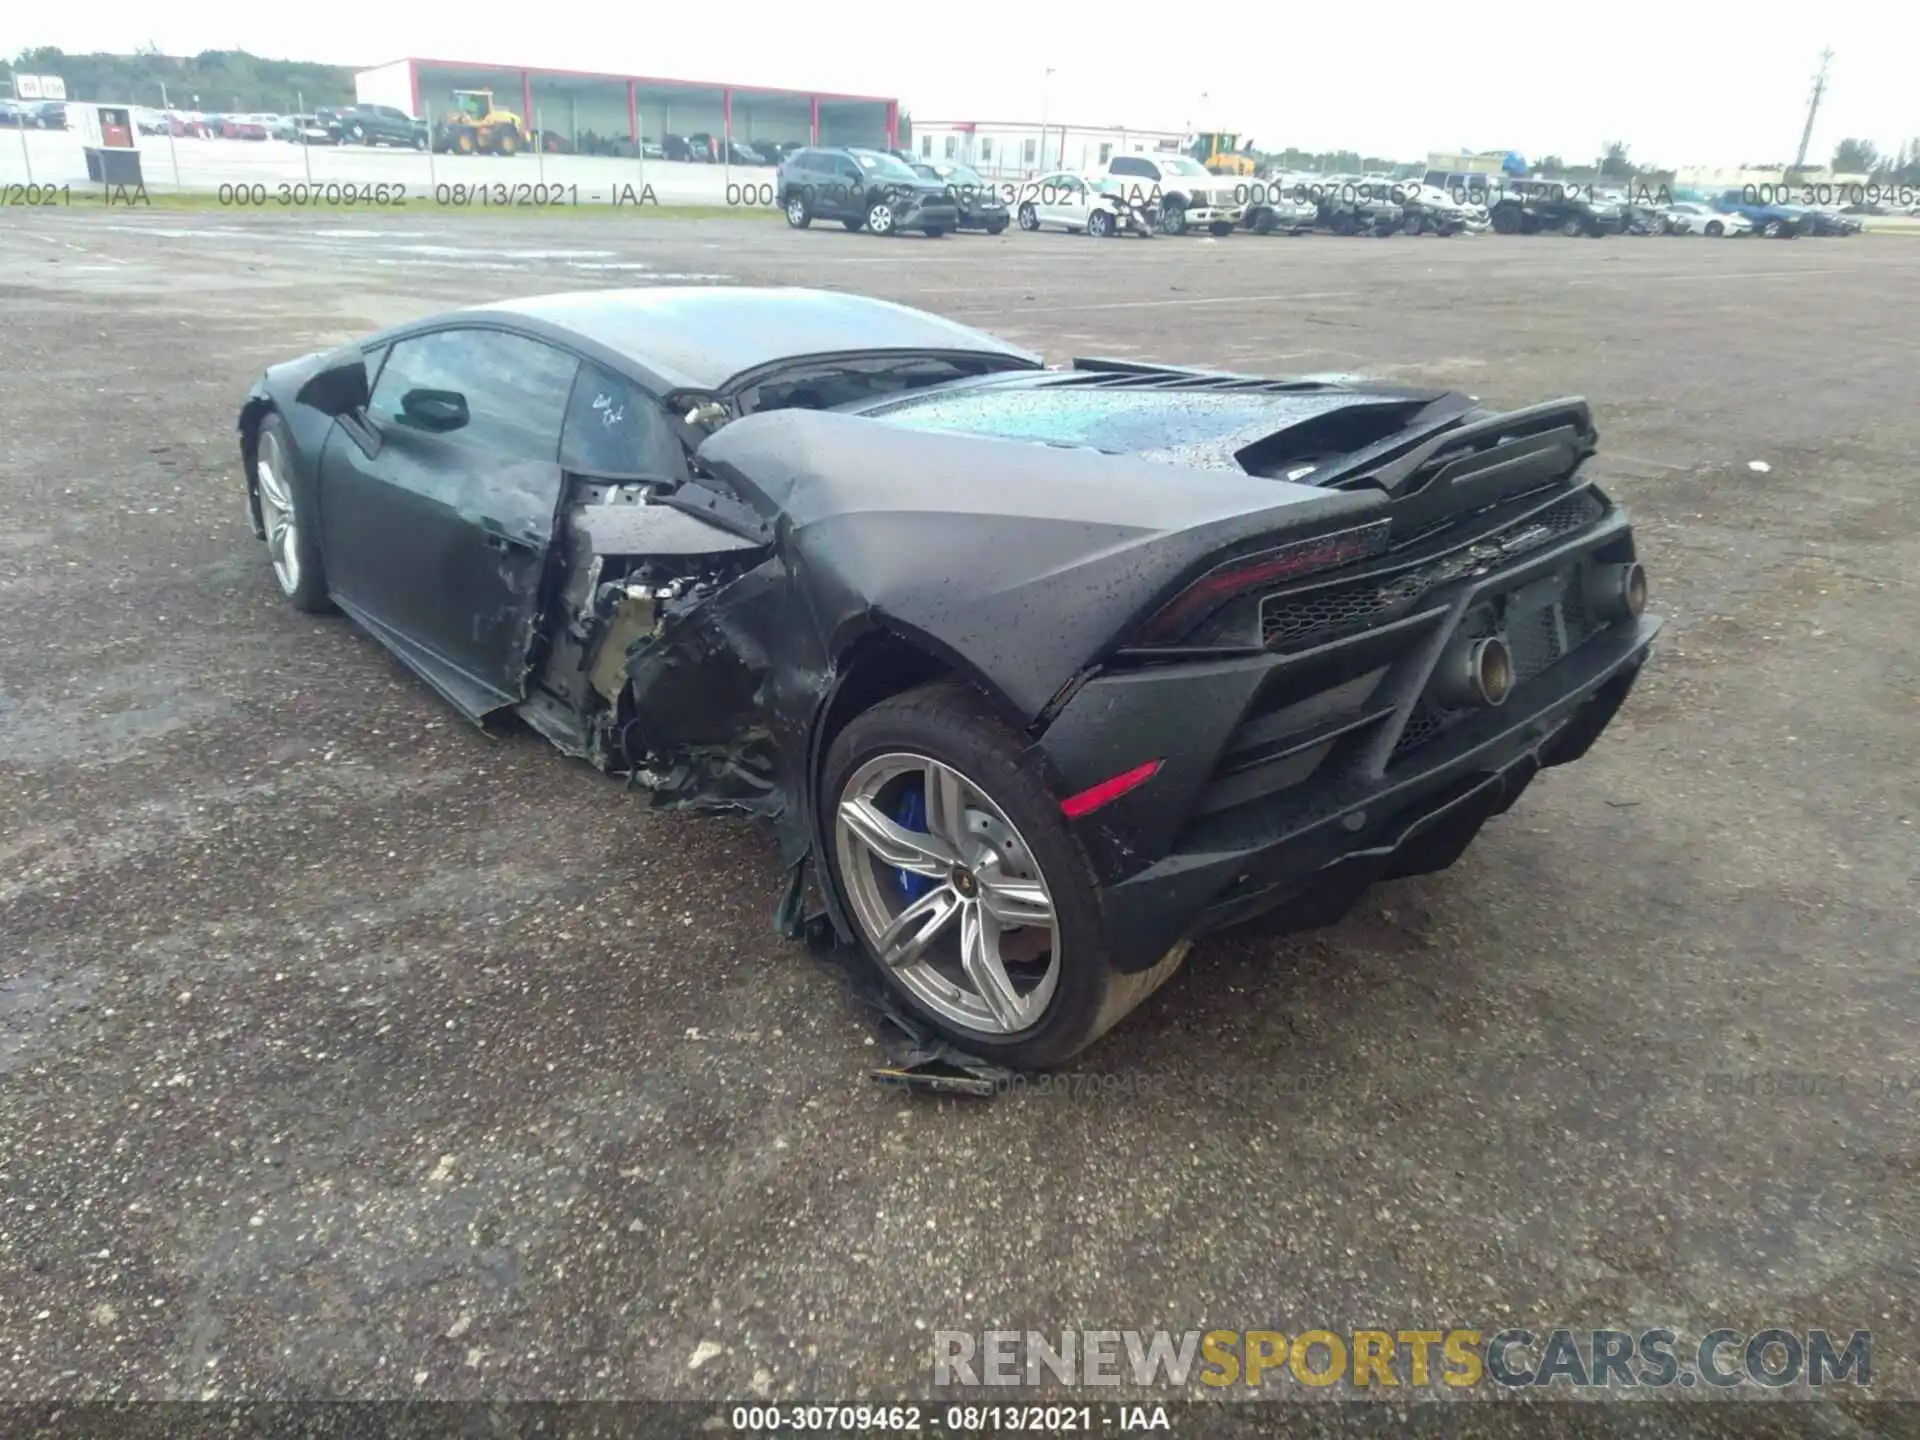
346	1051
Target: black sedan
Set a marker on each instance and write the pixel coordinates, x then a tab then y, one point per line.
975	201
1038	674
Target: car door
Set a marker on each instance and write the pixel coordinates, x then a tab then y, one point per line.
437	505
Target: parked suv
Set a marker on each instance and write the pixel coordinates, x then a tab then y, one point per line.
382	125
863	190
1526	207
1186	191
1356	205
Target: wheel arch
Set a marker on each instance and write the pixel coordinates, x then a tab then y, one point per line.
253	415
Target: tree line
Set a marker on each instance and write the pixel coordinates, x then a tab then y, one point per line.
220	80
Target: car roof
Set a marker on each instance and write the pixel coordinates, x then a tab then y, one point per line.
696	337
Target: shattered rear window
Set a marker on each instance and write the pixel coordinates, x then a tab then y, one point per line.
1189	428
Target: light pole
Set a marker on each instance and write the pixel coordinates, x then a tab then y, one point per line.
1045	85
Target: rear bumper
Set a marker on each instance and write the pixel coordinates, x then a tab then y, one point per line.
1416	817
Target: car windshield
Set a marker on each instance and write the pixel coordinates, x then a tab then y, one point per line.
965	175
1179	165
883	165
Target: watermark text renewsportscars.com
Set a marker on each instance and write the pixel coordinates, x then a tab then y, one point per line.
1381	1360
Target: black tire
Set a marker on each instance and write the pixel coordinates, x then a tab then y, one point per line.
1029	217
996	227
1220	228
1716	228
1102	225
1413	225
1770	230
852	222
1572	227
1343	223
1173	219
936	232
1262	222
950	722
799	213
273	445
1506	220
357	134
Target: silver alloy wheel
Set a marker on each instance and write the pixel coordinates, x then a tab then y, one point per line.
983	906
880	219
796	210
276	512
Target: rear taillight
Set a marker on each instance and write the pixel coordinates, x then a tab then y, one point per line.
1259	570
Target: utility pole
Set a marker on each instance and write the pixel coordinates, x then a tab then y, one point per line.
1046	84
1813	108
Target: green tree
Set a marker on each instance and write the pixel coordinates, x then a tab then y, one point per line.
1614	164
1855	157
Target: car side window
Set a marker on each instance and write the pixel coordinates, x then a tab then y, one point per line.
1128	165
490	389
615	427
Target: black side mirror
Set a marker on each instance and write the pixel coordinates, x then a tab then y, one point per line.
339	386
435	410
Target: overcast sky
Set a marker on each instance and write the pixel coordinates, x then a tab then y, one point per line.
1681	82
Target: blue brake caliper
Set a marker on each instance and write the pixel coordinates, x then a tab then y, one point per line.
912	814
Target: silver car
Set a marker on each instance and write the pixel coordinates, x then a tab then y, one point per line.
1690	217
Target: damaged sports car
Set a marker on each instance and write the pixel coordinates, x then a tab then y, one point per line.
1039	674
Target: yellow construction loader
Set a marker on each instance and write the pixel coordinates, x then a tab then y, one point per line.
1221	153
474	127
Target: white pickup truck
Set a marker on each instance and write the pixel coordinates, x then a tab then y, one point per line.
1186	191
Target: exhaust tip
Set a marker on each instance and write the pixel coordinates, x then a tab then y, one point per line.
1475	672
1618	592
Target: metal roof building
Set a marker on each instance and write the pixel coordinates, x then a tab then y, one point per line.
588	106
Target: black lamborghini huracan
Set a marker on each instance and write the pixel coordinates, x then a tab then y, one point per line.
1044	672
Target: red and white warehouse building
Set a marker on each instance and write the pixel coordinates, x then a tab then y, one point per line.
636	107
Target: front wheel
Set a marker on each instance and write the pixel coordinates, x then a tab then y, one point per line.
1572	227
1412	225
964	885
1220	227
293	547
996	227
798	215
1029	218
880	219
1173	220
1771	230
1716	229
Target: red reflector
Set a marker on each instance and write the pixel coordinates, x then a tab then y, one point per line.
1091	799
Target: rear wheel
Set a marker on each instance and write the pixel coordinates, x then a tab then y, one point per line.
292	545
1771	230
1572	227
965	886
1101	223
1413	225
1716	228
1262	222
1506	220
1220	227
506	143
